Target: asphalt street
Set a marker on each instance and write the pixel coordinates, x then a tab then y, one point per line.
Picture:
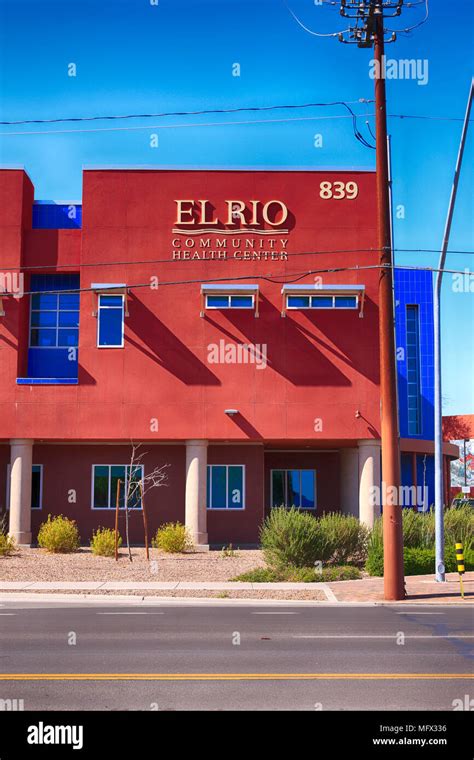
245	657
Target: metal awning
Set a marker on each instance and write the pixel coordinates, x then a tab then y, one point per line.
236	289
108	288
327	290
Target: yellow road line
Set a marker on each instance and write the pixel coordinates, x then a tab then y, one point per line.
231	676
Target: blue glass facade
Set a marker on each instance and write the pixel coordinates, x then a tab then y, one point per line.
415	368
48	215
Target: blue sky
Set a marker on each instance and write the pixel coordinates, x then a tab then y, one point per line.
135	57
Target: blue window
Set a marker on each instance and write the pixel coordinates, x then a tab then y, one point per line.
293	488
54	326
413	370
298	302
345	302
321	302
229	302
105	479
225	486
110	321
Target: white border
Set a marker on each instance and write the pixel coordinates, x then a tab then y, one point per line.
112	509
300	470
225	509
121	295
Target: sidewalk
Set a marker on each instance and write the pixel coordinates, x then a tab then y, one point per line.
420	589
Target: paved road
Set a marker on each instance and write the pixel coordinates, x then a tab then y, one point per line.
167	640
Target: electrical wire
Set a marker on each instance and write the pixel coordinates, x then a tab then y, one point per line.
277	279
86	265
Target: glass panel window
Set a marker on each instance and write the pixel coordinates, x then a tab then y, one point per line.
234	488
110	321
278	488
225	486
322	302
293	488
298	302
345	302
36	486
413	370
241	302
105	478
52	311
222	301
217	302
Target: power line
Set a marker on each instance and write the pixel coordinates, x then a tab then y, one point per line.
39	267
224	124
203	112
277	279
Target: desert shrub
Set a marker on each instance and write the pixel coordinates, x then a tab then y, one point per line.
7	545
291	537
418	529
418	561
103	542
299	574
173	538
347	538
459	526
59	535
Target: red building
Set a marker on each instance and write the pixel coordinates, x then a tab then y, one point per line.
203	330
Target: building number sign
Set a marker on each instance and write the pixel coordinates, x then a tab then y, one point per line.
338	190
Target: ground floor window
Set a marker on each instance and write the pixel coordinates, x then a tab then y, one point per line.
293	488
36	486
105	478
225	486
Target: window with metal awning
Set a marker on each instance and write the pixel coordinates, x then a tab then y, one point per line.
301	297
108	288
229	296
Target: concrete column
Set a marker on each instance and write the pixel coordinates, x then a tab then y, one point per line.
195	504
20	490
349	481
369	476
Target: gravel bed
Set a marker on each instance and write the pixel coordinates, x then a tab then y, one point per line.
281	594
37	565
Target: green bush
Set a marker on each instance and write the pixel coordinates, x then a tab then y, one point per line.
418	561
59	535
291	537
459	526
172	538
299	574
418	529
103	542
7	545
347	538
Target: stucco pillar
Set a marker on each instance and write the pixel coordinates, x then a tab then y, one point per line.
349	481
20	490
195	504
369	476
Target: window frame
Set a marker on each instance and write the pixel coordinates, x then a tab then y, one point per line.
286	470
312	296
113	508
9	470
419	395
112	308
57	327
209	495
229	297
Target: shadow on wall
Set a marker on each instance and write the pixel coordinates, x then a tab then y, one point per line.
165	348
302	362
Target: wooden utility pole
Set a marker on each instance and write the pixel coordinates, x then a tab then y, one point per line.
368	31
